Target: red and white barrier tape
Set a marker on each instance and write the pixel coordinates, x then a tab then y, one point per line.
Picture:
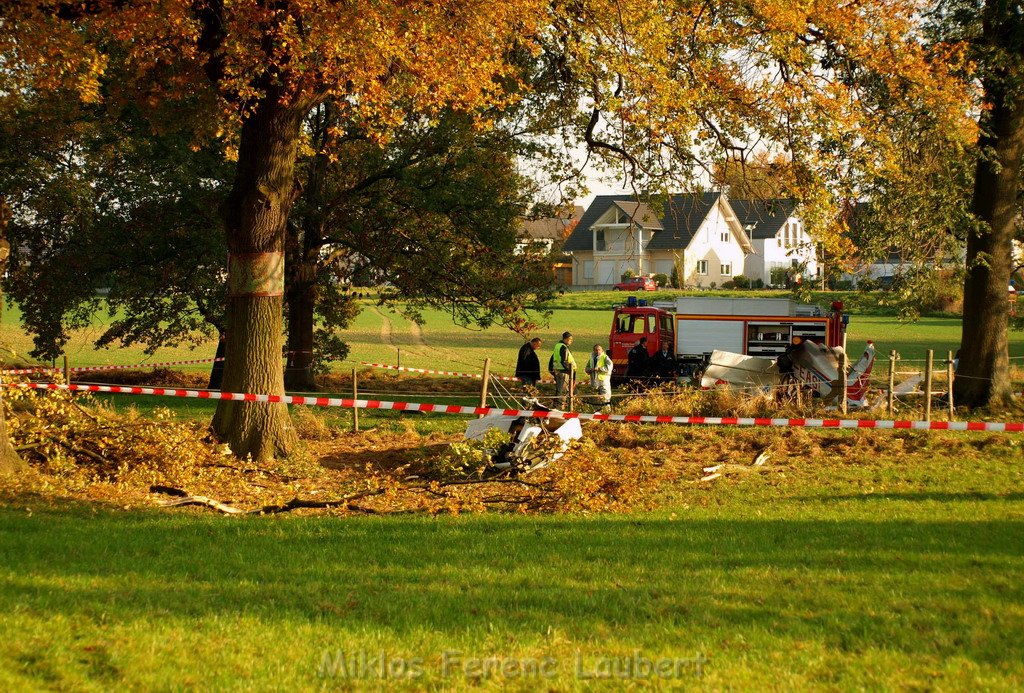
456	409
478	376
85	369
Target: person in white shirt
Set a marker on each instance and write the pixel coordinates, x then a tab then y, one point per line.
599	367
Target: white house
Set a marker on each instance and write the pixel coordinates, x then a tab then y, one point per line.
779	239
700	234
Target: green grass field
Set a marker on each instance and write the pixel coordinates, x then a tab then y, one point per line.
835	574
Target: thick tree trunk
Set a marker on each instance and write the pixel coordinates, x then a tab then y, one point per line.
10	463
298	374
983	374
256	217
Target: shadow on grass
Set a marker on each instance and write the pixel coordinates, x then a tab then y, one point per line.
937	496
916	587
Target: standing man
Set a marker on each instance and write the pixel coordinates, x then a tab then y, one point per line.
528	363
664	365
600	369
636	370
562	366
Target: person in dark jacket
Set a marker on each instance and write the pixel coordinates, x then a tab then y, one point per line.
636	369
528	363
663	365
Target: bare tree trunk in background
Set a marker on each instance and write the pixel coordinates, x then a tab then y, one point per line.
217	371
298	374
10	462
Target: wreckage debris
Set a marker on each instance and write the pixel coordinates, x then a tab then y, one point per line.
524	452
807	364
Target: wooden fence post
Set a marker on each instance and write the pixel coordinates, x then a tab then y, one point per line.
892	382
844	363
399	364
355	396
483	387
929	366
949	377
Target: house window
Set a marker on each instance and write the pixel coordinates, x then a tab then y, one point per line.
727	270
702	267
778	240
599	243
588	269
724	236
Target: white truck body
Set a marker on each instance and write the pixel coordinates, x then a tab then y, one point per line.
754	326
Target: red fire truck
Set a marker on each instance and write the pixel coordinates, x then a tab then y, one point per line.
695	326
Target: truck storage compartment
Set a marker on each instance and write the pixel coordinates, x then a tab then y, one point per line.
696	338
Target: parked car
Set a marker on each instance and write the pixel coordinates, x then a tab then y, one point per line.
636	284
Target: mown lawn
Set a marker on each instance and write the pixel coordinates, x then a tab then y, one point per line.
841	571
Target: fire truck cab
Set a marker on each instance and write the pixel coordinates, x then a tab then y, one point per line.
696	326
632	321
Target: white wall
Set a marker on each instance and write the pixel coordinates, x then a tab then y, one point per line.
792	242
707	245
592	269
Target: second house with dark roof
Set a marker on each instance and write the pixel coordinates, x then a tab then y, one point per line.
781	243
707	237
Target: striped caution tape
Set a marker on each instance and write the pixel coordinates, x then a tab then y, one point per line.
456	374
1009	427
478	376
86	369
133	366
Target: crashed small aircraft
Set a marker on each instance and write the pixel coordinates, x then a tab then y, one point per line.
523	453
808	364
